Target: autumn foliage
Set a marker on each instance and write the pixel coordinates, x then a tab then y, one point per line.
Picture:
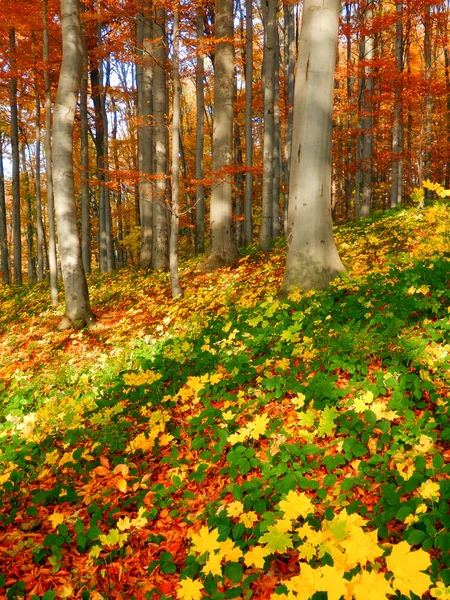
229	445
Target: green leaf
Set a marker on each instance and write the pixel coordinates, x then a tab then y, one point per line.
49	595
415	536
234	571
329	480
276	540
438	461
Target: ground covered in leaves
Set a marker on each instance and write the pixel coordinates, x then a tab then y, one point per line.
231	445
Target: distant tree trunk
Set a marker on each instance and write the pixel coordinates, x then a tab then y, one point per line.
200	135
276	225
397	134
312	258
248	200
78	310
48	162
223	249
269	18
366	120
428	100
144	70
4	254
37	178
174	230
31	268
160	246
118	194
289	66
17	241
84	143
350	147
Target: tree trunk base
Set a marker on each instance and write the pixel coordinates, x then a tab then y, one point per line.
82	323
216	261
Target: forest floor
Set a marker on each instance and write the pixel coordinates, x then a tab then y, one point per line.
231	445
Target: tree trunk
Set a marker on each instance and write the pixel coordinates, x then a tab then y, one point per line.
160	246
289	62
428	100
4	254
84	147
37	178
144	70
17	241
397	135
31	263
248	200
366	120
312	258
174	230
276	226
200	135
78	311
447	114
223	246
268	78
48	163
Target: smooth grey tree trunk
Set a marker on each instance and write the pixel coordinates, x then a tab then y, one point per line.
84	152
160	246
48	162
312	258
37	179
289	65
248	199
397	134
268	78
447	118
200	136
174	230
366	120
26	192
4	254
428	100
78	311
223	249
144	70
276	226
17	237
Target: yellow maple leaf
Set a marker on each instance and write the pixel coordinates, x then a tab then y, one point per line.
248	519
296	505
230	551
429	490
255	557
56	519
305	584
205	541
191	589
440	591
407	567
283	525
215	378
140	521
123	524
361	547
370	586
332	582
235	509
258	426
213	565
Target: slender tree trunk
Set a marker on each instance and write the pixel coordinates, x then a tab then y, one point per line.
160	249
48	163
276	226
200	135
17	238
31	269
144	70
248	200
78	310
366	121
428	100
397	135
447	115
289	52
118	194
312	258
4	254
174	230
37	178
268	78
350	146
109	240
84	146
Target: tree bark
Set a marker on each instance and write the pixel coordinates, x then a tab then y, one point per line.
37	178
397	134
78	310
312	258
200	135
160	246
17	238
4	254
248	199
289	61
48	162
174	230
366	119
223	246
268	78
84	147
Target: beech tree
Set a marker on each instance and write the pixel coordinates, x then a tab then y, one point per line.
223	247
312	258
78	310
